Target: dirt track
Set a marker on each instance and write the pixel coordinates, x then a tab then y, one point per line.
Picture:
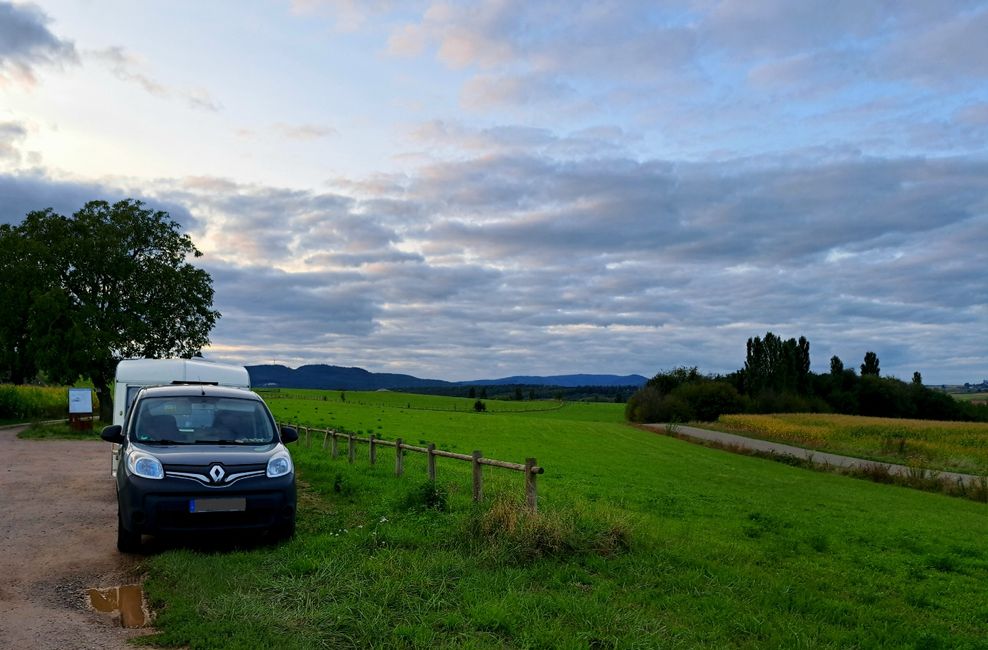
57	538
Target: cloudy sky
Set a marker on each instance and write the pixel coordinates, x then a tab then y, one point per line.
472	190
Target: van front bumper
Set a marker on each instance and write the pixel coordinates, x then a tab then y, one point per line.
173	505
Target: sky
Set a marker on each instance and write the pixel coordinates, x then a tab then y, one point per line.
477	190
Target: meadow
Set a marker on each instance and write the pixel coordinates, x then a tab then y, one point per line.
641	541
955	446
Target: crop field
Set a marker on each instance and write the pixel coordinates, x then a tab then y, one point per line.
956	446
641	541
970	397
22	403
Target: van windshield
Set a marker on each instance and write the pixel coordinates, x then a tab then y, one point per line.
190	420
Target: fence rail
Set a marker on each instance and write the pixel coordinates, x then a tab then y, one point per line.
331	439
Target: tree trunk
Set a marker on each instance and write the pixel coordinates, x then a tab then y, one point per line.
105	396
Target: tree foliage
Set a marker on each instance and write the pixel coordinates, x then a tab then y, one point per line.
682	395
776	378
870	365
25	276
773	364
113	282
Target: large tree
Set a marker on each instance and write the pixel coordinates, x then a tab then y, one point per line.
122	288
25	274
871	365
774	364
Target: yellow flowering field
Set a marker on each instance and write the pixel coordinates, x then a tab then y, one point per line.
958	446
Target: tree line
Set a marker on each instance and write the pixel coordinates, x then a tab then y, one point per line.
776	378
79	293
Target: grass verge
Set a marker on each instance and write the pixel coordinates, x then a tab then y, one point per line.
58	431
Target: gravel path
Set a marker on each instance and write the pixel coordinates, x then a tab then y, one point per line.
57	539
816	457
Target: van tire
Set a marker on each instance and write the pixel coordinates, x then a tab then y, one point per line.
285	531
127	540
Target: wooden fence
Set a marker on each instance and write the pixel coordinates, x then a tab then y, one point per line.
331	438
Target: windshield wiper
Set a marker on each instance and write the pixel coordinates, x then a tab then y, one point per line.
222	441
162	442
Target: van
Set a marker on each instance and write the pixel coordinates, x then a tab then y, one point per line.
134	374
198	458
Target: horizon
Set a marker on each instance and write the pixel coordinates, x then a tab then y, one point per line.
562	374
507	188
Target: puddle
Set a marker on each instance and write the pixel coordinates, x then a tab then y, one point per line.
127	600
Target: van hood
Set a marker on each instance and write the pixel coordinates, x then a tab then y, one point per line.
203	455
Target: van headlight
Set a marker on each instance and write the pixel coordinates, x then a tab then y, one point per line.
280	465
144	465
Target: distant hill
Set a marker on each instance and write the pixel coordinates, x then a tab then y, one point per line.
566	381
340	378
333	378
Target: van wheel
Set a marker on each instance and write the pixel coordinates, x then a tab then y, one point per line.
284	531
127	541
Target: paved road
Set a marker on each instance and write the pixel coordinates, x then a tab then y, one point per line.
816	457
57	539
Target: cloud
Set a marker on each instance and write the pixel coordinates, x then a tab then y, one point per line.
975	115
481	261
26	43
11	134
487	91
350	15
305	132
759	28
25	192
451	135
528	263
723	79
951	51
298	306
129	68
284	131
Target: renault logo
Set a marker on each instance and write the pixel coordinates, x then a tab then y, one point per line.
217	473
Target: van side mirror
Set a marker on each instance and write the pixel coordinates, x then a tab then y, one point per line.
288	434
113	433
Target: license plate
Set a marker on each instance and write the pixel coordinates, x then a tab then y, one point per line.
235	504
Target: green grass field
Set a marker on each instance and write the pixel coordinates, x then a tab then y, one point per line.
642	541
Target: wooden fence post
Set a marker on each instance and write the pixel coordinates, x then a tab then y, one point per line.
351	448
325	439
373	449
308	437
399	461
432	462
531	487
335	451
478	477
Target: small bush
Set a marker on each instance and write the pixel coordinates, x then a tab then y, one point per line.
341	485
426	496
